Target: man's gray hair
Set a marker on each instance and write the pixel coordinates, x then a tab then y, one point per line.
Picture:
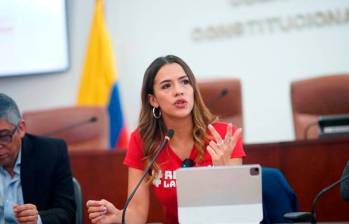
9	110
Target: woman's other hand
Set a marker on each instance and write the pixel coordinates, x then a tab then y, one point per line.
103	212
221	149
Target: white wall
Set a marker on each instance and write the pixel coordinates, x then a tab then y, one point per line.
250	39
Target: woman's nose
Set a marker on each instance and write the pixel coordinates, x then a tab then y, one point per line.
178	90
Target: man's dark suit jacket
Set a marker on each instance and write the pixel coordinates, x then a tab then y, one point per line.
345	184
46	179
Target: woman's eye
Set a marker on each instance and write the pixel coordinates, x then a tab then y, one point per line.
186	81
165	86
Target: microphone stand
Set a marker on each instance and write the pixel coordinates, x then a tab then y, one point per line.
87	121
222	93
311	216
168	136
322	192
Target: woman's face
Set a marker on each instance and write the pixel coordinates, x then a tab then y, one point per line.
173	93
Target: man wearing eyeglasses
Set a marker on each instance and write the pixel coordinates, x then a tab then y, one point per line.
35	177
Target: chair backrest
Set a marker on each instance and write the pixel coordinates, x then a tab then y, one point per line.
313	97
78	201
278	196
81	127
223	97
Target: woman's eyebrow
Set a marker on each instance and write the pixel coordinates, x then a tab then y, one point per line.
165	81
182	77
168	80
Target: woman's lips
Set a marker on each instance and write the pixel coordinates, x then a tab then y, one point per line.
181	103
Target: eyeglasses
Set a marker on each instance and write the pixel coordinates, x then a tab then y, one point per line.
188	163
6	138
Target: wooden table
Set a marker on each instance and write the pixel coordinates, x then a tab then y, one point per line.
308	166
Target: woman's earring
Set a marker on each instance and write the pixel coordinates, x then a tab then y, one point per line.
156	113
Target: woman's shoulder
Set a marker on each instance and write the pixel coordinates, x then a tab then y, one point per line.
135	132
134	153
135	135
135	143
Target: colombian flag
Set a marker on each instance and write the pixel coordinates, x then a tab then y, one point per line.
99	83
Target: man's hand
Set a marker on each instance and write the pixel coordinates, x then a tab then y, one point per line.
26	213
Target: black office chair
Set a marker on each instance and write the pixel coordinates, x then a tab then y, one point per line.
78	201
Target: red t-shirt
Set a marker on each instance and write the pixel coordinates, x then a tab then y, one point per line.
164	186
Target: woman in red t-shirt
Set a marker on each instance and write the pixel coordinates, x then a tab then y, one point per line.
170	100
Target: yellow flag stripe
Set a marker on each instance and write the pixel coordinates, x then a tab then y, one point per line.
98	75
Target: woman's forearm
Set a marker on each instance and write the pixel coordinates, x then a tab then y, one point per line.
133	215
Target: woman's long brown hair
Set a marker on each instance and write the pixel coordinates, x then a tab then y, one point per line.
152	131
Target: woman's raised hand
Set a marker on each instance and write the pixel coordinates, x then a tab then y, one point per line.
221	149
103	212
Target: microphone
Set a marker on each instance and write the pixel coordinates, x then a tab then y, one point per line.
311	216
74	125
169	135
188	163
222	93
